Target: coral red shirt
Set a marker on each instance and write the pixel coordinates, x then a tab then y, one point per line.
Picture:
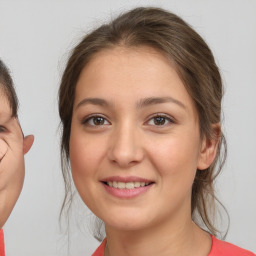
219	248
1	243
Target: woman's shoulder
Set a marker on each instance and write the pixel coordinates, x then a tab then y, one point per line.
222	248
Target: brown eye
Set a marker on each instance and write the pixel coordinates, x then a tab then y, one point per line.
98	120
95	121
2	129
159	120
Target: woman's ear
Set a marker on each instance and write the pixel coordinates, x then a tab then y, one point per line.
209	148
27	143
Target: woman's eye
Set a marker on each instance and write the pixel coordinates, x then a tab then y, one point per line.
160	120
96	121
2	129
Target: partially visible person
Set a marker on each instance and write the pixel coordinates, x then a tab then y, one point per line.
13	146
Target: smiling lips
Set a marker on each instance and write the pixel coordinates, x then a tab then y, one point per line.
126	187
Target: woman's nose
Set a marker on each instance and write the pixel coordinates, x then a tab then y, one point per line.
126	147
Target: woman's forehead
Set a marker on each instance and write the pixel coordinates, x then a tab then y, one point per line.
131	75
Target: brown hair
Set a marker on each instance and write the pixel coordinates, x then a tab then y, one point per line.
195	65
6	85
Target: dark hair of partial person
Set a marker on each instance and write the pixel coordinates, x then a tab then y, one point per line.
6	85
195	65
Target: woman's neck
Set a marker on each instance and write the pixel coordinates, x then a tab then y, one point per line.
184	238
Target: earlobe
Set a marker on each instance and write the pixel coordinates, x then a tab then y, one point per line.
209	148
27	143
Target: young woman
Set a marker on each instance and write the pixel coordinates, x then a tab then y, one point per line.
13	146
140	106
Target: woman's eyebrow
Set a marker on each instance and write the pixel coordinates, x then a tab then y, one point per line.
140	104
158	100
93	101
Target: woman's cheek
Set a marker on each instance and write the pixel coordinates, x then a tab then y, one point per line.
165	155
84	155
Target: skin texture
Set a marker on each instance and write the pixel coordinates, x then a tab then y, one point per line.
130	142
13	146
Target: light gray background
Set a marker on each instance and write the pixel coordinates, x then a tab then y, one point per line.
35	39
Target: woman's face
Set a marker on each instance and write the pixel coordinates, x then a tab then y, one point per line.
11	156
135	144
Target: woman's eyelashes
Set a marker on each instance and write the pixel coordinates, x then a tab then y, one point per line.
159	120
95	120
2	129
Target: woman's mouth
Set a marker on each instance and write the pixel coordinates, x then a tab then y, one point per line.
127	185
127	188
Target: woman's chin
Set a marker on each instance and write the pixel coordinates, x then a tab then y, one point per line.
126	223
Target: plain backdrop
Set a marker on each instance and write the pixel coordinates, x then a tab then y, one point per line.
35	40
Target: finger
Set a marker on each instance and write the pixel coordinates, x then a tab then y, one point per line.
3	148
27	143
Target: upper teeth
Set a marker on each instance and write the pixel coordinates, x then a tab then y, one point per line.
127	185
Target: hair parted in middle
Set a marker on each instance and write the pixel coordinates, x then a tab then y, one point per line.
196	67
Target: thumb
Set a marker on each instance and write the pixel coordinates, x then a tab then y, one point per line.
27	143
